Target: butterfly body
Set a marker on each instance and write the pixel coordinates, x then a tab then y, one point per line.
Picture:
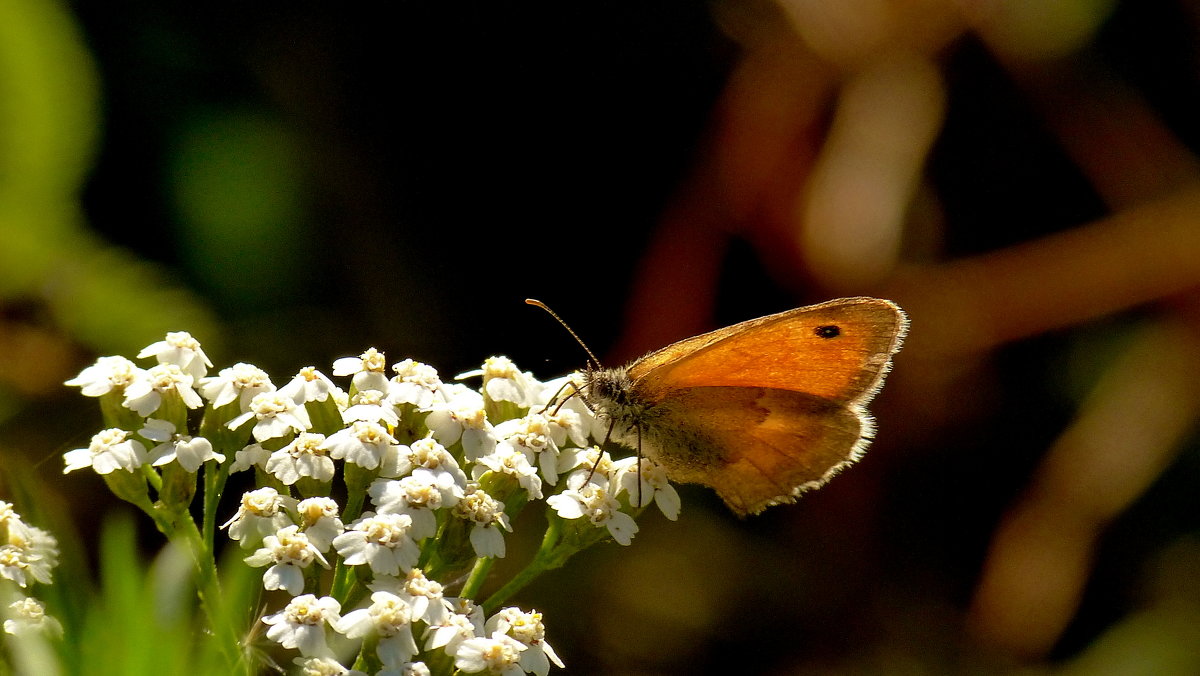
760	411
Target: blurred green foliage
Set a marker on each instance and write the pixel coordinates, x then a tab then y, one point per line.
101	297
235	180
141	618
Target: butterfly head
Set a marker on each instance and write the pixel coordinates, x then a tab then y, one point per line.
613	395
604	388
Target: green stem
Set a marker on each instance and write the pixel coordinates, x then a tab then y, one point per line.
357	479
550	555
440	664
475	580
153	477
208	588
342	580
354	505
162	521
214	485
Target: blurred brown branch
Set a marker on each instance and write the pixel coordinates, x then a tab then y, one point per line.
813	160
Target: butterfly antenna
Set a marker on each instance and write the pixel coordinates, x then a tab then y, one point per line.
595	362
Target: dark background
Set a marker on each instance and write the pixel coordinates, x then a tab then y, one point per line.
443	163
403	175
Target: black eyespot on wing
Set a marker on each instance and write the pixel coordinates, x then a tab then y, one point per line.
831	331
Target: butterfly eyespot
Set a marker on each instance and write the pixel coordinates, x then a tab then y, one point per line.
831	331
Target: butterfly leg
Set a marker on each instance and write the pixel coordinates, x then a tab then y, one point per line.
558	403
639	465
600	453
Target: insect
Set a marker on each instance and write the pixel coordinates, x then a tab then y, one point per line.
760	411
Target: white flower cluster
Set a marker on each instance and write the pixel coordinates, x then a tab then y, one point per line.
443	466
27	555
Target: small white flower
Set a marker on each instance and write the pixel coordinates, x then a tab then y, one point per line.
13	565
462	418
306	456
423	595
508	460
368	370
341	398
454	628
277	415
363	443
324	666
562	394
290	551
414	383
109	450
529	630
449	633
566	425
180	349
418	495
503	381
240	382
390	619
9	518
262	513
383	541
426	453
28	616
320	522
302	624
250	456
371	406
468	608
42	554
498	654
586	464
594	500
145	394
532	435
28	552
25	551
653	485
107	374
407	669
487	515
309	385
191	452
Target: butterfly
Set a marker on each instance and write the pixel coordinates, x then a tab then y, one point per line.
761	411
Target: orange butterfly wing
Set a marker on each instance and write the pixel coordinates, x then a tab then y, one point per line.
768	408
839	350
757	447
